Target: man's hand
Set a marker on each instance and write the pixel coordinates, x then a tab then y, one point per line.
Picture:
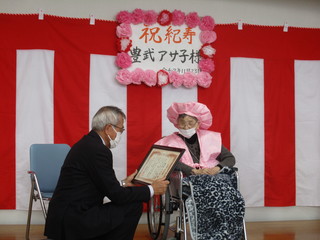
128	181
160	186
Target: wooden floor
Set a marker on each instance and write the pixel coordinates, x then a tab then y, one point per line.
289	230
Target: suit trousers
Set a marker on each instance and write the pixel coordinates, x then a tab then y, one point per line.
126	229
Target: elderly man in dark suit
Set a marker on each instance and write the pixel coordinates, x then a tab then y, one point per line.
76	210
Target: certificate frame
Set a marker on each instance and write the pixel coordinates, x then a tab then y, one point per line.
158	163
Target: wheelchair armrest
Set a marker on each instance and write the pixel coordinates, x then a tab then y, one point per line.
175	187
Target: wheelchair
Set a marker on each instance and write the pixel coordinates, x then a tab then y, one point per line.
167	214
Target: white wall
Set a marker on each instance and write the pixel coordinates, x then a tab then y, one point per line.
298	13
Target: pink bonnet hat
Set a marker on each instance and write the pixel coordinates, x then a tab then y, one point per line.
194	109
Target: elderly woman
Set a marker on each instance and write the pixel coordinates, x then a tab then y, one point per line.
213	198
205	153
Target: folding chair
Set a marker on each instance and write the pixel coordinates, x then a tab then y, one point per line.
45	164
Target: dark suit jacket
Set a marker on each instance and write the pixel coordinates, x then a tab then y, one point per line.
76	210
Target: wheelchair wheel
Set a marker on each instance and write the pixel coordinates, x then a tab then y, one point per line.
157	206
167	207
154	211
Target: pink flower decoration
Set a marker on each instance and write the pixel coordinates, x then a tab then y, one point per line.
178	17
137	16
190	80
204	79
207	51
162	77
176	79
124	30
124	44
150	78
208	36
123	60
192	19
150	17
137	76
206	65
124	17
164	18
207	23
124	77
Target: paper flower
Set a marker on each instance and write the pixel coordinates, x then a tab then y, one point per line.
124	44
162	77
137	76
208	36
192	20
150	17
137	16
206	65
190	80
175	79
123	76
178	17
150	78
123	60
124	17
164	18
124	30
204	79
207	51
207	23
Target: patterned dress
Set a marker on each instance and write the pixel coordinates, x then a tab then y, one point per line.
215	207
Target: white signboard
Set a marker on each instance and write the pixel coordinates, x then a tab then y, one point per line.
171	48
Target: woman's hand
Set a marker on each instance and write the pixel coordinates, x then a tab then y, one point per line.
208	171
212	171
196	171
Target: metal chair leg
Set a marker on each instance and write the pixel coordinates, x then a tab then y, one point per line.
30	210
244	222
244	230
43	207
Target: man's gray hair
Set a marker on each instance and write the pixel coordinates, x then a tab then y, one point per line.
106	115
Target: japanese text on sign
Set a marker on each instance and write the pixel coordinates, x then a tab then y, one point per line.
164	47
171	35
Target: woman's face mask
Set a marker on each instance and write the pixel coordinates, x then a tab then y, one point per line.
187	126
187	133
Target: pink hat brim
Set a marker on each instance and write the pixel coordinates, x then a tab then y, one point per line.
194	109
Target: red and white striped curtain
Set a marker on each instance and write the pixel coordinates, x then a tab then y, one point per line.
57	72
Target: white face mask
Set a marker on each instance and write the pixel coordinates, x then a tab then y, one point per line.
187	133
115	142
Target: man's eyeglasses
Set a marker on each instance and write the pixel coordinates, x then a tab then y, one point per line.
120	128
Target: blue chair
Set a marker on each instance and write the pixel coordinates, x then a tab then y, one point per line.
45	164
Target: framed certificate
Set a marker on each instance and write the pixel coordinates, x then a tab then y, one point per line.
158	163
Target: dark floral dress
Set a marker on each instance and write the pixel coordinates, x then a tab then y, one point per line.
215	207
